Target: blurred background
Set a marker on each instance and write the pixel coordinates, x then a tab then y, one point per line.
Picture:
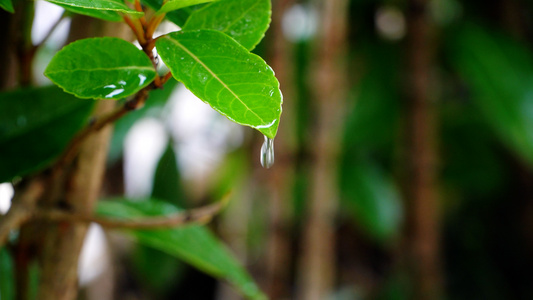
403	160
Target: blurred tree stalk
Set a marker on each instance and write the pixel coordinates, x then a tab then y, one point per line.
281	178
317	266
422	203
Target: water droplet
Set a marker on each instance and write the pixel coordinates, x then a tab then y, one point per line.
267	153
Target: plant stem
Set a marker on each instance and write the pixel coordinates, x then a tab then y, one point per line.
25	49
281	178
197	215
317	266
21	210
52	29
422	200
137	29
139	8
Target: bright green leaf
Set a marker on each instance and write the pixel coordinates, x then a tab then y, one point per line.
48	117
193	244
107	15
7	5
7	276
103	9
177	4
101	68
222	73
244	20
499	73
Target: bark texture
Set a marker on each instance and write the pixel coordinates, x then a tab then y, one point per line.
78	190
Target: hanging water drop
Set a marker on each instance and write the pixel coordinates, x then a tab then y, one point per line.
267	153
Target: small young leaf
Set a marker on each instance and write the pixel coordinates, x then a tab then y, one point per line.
193	244
222	73
244	20
177	4
7	5
103	9
99	68
47	117
178	17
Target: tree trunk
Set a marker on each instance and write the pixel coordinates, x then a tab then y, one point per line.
79	191
317	267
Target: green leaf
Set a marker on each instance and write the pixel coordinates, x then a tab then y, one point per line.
167	181
35	126
99	68
178	17
193	244
7	5
7	276
499	73
244	20
372	199
222	73
106	15
177	4
103	9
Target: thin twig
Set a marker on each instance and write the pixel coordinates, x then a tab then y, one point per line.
52	29
139	8
21	209
152	25
197	215
166	77
137	29
100	122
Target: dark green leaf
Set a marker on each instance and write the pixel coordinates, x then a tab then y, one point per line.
222	73
7	5
7	276
167	182
35	126
101	68
193	244
103	9
499	73
244	20
372	199
157	270
177	4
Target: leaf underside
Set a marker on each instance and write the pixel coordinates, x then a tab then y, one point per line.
101	68
178	4
103	9
222	73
